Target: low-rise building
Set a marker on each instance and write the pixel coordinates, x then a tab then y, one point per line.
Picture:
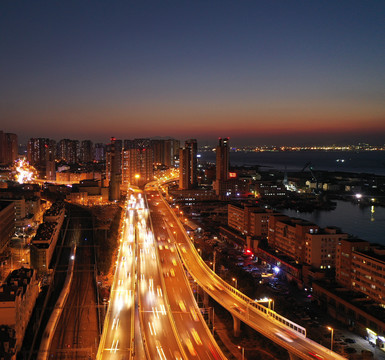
368	272
7	343
55	213
353	309
88	192
249	220
344	256
44	242
7	223
18	295
287	235
232	188
192	195
269	189
320	247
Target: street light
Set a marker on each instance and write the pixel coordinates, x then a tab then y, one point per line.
137	177
243	352
236	282
271	307
331	337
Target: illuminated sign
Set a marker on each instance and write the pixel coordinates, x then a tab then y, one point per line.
232	175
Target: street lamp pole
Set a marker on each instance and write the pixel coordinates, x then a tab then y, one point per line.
243	352
236	283
137	176
331	337
215	254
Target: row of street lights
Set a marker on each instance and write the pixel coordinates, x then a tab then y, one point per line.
269	301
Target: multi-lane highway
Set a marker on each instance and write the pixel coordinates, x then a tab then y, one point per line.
282	331
150	278
150	282
157	325
195	337
118	332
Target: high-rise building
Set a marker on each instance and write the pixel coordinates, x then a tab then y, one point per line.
137	163
68	151
223	185
86	151
113	170
50	164
8	148
188	165
41	154
223	158
184	169
37	151
158	148
129	167
100	152
145	165
171	152
165	151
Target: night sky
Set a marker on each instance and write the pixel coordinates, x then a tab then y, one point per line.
262	72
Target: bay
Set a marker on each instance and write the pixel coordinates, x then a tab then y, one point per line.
366	223
371	162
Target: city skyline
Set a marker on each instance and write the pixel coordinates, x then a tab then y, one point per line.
260	73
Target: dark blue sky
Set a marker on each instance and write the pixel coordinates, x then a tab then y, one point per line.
261	72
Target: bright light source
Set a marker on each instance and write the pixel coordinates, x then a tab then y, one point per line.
276	269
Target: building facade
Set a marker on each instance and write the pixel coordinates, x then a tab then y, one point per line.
7	223
113	169
8	148
86	151
44	242
344	257
68	151
320	247
248	219
188	165
18	295
221	183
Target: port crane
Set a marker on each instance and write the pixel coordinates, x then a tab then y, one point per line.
309	165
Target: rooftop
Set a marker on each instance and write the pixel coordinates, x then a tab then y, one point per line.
15	283
297	221
358	299
7	342
45	230
376	252
55	209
